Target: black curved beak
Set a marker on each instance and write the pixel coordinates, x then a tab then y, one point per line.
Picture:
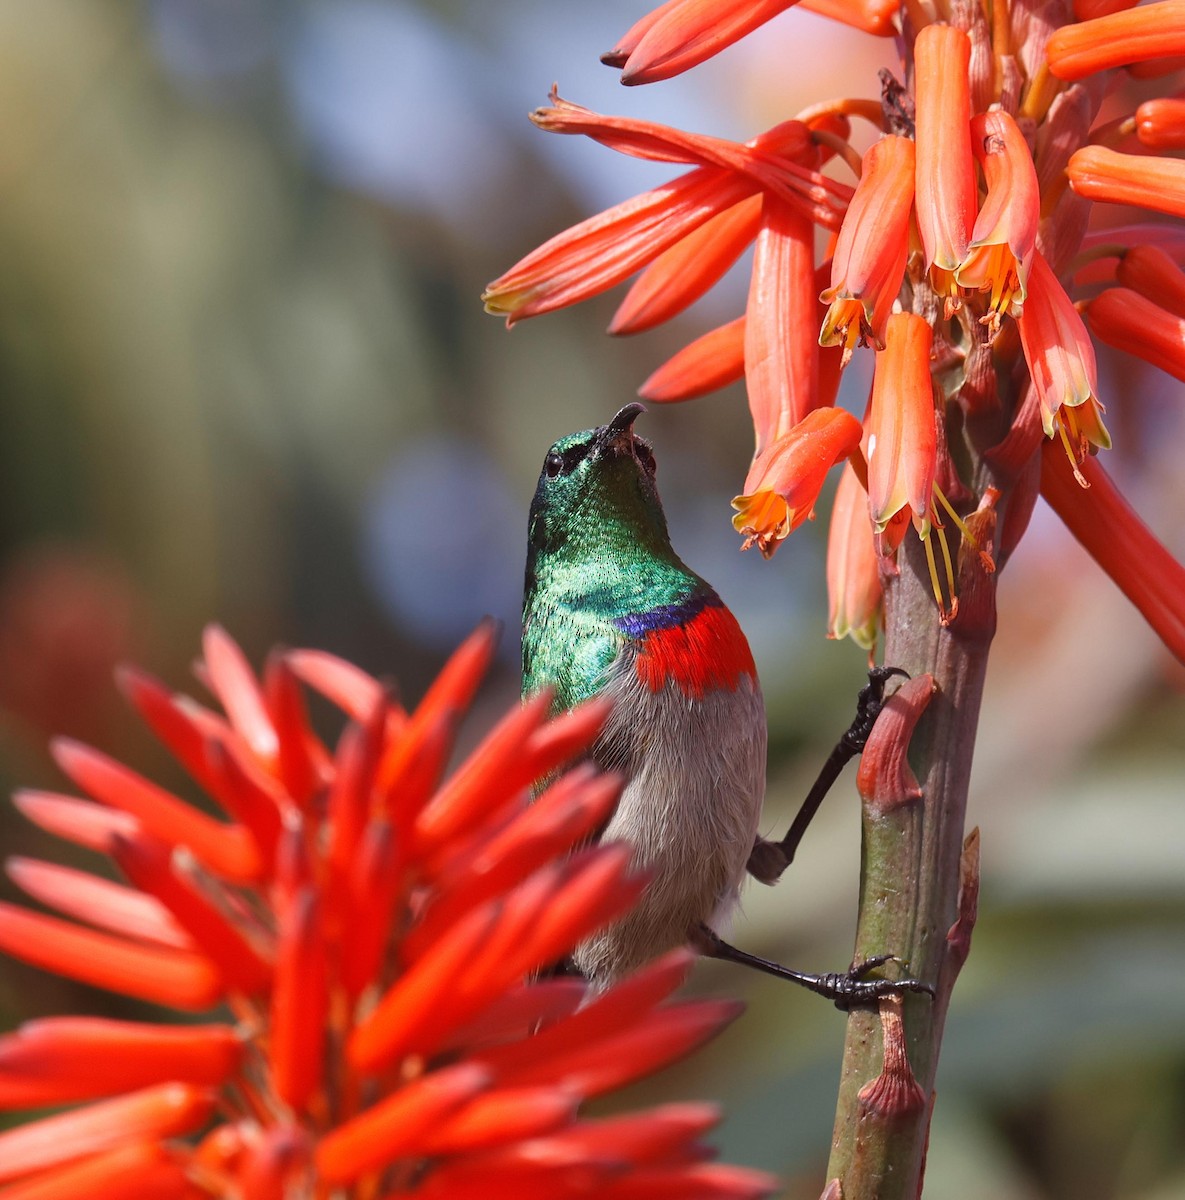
622	423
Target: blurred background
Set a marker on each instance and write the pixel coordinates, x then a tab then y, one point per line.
246	377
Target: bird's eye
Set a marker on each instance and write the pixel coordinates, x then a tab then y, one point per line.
553	464
645	457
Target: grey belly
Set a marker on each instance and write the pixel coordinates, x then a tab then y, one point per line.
690	811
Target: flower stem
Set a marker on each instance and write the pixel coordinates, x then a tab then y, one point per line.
910	879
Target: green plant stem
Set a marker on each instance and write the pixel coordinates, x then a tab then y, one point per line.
911	873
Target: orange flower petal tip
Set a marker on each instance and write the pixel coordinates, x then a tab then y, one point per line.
1160	123
168	1110
1136	35
681	36
1153	273
80	821
348	687
902	434
1105	175
713	361
164	976
234	683
457	683
1133	323
878	17
39	1063
98	902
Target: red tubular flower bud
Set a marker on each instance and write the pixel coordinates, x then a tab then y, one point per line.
684	34
1154	274
853	574
1135	35
1160	123
51	1061
711	362
869	260
164	976
945	175
902	436
1115	537
1131	322
1105	175
682	274
781	351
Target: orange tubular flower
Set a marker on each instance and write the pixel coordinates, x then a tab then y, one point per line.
902	436
682	274
602	251
782	488
1160	123
1126	320
1136	35
1102	520
353	901
1153	273
1156	183
1060	356
853	573
869	261
946	188
712	361
781	352
681	34
1005	233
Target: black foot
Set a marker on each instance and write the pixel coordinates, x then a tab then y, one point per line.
869	702
846	990
768	860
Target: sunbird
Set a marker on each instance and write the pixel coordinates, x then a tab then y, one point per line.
611	610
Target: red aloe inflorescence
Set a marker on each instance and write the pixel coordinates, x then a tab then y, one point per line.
997	241
364	938
954	249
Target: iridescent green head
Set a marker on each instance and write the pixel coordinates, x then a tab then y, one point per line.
597	491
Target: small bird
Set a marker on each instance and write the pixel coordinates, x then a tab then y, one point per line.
610	609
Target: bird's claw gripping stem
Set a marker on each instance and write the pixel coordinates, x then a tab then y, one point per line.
846	989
